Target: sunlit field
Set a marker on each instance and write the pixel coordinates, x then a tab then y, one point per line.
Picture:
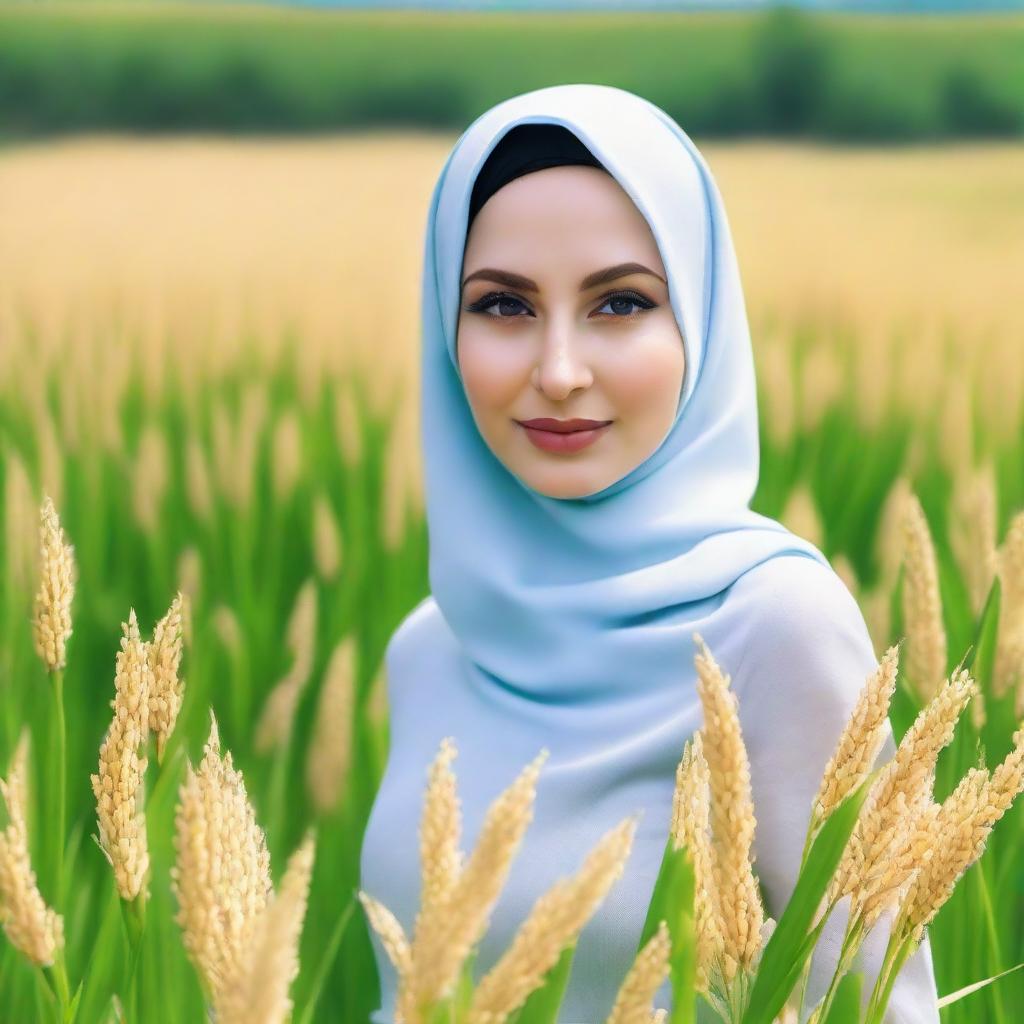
208	361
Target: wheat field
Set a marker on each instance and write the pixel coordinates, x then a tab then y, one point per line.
208	358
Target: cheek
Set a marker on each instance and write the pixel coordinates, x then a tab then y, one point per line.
647	380
493	370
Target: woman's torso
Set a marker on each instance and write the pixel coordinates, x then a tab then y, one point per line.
591	780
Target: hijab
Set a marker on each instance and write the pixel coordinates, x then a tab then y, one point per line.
567	624
573	599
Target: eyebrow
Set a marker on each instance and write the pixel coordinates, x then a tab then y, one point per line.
526	284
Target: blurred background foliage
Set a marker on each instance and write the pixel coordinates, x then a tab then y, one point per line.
166	67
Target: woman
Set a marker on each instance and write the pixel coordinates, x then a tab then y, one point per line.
579	266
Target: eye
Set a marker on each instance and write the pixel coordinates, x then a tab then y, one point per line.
511	308
628	299
499	299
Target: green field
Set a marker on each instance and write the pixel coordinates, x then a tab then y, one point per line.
267	467
165	67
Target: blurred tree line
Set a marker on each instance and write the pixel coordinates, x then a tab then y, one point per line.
165	68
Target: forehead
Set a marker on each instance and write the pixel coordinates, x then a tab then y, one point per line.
572	186
565	208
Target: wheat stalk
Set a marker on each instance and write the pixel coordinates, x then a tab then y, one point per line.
259	993
391	933
554	923
51	620
119	785
166	689
286	462
890	546
441	860
149	477
975	512
278	715
457	897
221	875
649	970
327	539
445	936
198	488
958	833
860	741
32	926
1009	667
347	430
732	814
922	602
330	750
691	827
872	866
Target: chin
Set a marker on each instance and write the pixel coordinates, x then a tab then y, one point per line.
563	487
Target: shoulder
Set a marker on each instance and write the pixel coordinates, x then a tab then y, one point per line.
793	583
415	636
802	628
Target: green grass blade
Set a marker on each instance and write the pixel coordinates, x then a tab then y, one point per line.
981	658
682	928
657	907
787	948
672	901
846	1004
544	1002
955	997
330	952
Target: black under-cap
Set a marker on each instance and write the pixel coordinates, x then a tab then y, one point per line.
526	148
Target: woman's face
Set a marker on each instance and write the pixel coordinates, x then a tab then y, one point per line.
552	325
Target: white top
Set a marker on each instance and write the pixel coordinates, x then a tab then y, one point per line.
797	661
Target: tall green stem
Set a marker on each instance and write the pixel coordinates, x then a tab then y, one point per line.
801	985
134	913
58	977
805	972
58	800
851	943
279	786
898	949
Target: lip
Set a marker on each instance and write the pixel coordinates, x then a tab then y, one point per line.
563	441
562	426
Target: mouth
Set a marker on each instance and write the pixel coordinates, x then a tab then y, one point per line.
560	440
562	426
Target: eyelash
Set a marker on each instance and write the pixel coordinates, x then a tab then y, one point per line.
491	298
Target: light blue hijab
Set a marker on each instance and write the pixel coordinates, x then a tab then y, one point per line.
567	624
541	592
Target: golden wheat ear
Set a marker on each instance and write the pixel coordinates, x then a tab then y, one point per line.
166	687
644	978
922	602
30	925
732	816
391	933
119	784
221	874
861	739
51	618
443	941
260	990
553	923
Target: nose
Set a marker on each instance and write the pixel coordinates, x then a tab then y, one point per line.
560	367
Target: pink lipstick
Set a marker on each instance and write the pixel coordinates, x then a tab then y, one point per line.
563	436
